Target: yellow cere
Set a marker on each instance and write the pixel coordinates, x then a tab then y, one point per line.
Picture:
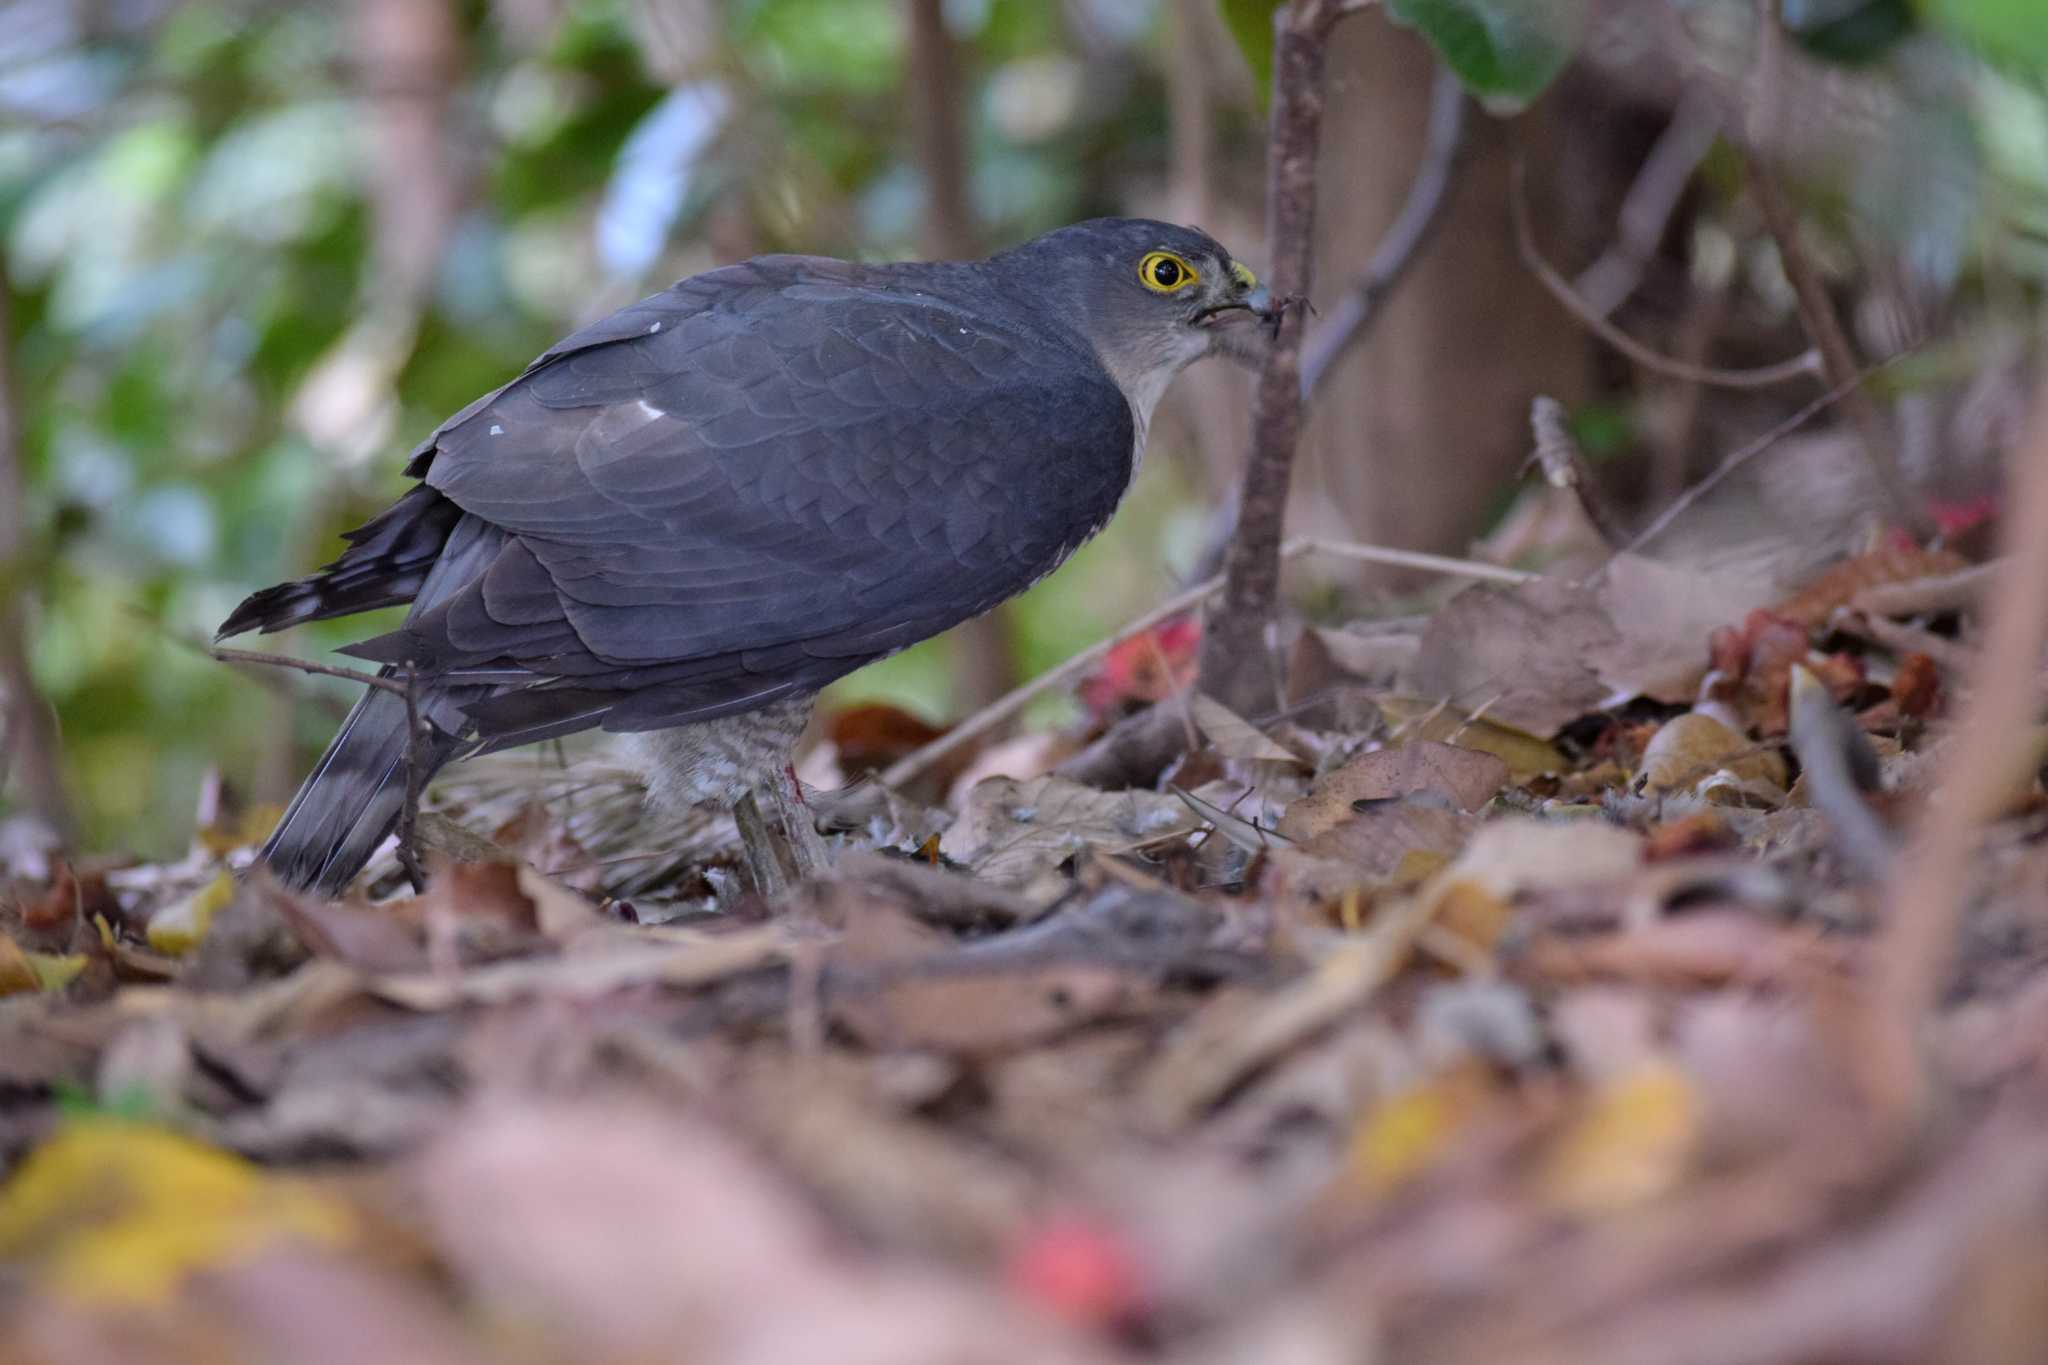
1163	272
1242	273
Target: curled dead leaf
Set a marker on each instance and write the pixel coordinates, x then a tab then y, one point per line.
1691	750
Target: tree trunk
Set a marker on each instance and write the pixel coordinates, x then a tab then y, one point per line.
1418	430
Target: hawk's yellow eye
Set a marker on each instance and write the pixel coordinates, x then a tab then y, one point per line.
1162	272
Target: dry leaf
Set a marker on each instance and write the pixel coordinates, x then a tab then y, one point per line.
177	928
1384	839
1663	615
1632	1143
1406	1133
1889	563
1012	832
1512	856
1689	751
17	974
1233	735
117	1213
1521	653
1416	720
1465	778
1541	654
898	985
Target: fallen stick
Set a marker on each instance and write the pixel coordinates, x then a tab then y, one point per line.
1010	703
1934	878
1924	596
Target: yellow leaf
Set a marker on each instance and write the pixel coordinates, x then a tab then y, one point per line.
1404	1135
177	928
17	973
1631	1144
55	971
1473	912
1417	866
120	1213
1525	754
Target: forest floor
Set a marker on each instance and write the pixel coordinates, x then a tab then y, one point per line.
1529	1025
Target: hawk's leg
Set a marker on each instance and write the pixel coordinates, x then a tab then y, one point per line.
780	838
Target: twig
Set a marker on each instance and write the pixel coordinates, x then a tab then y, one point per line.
1754	449
415	779
1406	559
1236	667
1435	174
1839	766
1949	656
1003	707
1920	596
32	745
1801	366
1929	893
1563	466
1646	211
252	656
1816	309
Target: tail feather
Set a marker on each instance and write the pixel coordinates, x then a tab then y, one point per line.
389	560
354	795
353	798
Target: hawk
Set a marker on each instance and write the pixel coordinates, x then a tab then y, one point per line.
686	519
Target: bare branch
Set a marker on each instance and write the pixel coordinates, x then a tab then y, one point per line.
1801	366
1237	668
1563	466
1427	194
1653	197
1816	309
1754	449
1977	770
252	656
31	748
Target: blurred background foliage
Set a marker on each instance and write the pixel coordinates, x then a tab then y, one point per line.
252	251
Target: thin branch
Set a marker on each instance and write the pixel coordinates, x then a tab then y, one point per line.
1754	449
1816	309
1651	200
1976	772
1236	666
1435	174
33	749
1920	596
919	760
251	656
415	781
1807	363
1563	466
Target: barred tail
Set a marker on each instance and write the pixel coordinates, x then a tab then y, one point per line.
354	795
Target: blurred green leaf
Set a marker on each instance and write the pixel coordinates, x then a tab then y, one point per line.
2013	33
1251	23
1505	51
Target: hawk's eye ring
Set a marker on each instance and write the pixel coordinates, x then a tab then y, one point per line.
1162	272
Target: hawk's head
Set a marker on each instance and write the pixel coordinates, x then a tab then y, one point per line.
1150	297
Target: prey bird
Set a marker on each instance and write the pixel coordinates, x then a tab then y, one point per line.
683	521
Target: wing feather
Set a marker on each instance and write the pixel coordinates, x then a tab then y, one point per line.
754	483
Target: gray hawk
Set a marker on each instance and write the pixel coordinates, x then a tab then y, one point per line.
687	518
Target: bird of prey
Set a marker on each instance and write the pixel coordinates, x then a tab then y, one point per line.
684	520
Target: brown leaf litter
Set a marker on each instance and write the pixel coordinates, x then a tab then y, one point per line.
1496	1004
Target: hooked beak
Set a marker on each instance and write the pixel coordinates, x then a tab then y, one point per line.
1250	300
